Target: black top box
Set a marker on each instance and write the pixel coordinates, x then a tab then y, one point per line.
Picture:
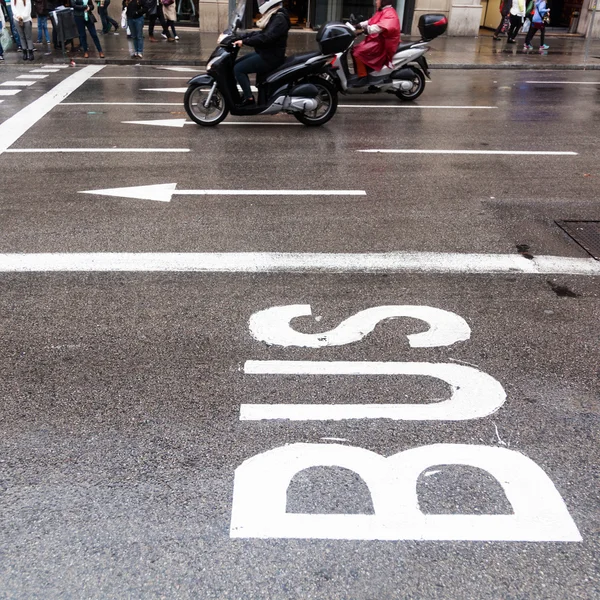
430	26
334	37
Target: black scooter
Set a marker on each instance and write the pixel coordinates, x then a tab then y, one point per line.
296	87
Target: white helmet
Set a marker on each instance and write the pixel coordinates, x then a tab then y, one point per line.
265	5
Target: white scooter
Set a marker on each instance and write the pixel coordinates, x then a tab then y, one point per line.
405	76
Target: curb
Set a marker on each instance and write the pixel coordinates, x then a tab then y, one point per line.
434	66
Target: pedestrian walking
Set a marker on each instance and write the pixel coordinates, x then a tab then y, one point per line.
505	6
170	13
156	12
3	25
41	10
105	18
517	16
22	17
540	15
136	9
83	11
11	21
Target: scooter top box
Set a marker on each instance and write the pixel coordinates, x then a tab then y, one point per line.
431	26
334	37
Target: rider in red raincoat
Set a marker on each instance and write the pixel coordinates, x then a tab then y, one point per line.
383	37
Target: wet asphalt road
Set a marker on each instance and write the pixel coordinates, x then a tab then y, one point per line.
121	392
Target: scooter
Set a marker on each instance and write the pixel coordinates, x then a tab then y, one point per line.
406	74
298	87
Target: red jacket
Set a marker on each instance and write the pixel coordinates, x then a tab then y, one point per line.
377	49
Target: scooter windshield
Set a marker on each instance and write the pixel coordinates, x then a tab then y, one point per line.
237	17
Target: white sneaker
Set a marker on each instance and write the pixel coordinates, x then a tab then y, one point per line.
164	35
176	37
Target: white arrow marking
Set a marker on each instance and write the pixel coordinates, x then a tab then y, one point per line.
163	192
182	122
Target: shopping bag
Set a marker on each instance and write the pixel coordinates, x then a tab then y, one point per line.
526	26
124	19
5	38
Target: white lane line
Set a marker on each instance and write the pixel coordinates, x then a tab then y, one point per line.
9	93
163	192
48	67
180	69
145	77
1	101
567	82
14	127
36	77
182	90
491	152
447	106
269	262
182	122
121	103
16	83
44	71
97	150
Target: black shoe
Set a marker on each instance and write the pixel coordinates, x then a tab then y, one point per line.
30	55
247	102
511	42
24	54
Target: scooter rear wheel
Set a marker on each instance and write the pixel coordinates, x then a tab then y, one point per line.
195	105
328	101
417	88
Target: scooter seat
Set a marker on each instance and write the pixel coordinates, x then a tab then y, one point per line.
296	59
407	46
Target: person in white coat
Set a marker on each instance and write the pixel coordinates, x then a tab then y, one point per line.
2	26
517	17
22	17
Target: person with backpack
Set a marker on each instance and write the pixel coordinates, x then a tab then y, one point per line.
41	9
170	13
504	13
83	11
538	24
517	16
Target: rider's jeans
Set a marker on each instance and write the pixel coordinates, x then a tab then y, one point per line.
251	63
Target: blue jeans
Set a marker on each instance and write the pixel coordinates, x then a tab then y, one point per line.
251	63
43	30
81	27
136	27
13	28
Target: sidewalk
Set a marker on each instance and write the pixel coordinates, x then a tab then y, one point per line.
194	49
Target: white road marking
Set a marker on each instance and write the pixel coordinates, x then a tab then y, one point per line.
272	326
567	82
9	93
165	191
413	106
490	152
183	122
1	101
182	90
36	77
94	150
55	66
475	394
16	83
283	262
181	69
14	127
44	70
144	77
122	103
261	483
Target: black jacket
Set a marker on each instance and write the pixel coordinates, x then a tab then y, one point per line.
79	9
270	43
135	8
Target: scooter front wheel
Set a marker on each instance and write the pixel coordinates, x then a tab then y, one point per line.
418	86
327	99
201	112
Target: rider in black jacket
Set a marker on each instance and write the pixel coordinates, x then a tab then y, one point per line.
269	45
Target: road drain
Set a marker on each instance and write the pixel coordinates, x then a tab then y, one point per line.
585	233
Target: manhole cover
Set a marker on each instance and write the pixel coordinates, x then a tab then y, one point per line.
585	233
